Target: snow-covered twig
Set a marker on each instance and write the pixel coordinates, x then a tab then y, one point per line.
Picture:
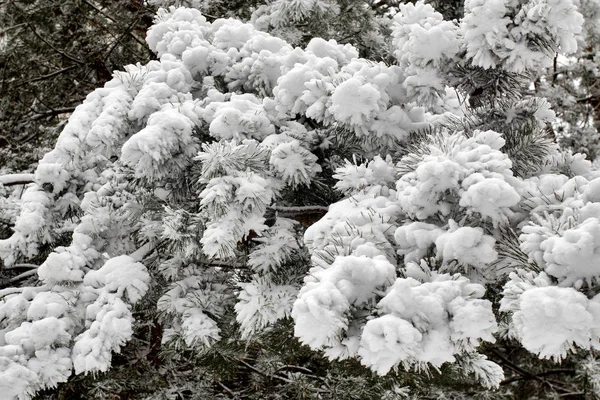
142	252
299	209
24	265
22	276
16	179
306	215
10	290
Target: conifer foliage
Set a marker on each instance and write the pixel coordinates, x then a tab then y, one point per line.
246	217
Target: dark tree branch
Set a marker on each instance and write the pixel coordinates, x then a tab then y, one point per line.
10	28
118	40
544	373
47	76
62	53
110	18
526	374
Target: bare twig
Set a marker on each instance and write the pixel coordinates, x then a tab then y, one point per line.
10	28
118	40
540	374
52	112
110	18
279	377
100	11
572	394
258	371
62	53
47	76
526	374
231	393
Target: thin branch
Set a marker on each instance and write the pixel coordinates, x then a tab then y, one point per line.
9	291
52	112
298	367
572	394
512	365
10	28
587	99
299	209
526	374
118	40
231	393
258	371
313	213
41	101
62	53
316	390
544	373
16	179
24	265
22	276
101	11
47	76
224	264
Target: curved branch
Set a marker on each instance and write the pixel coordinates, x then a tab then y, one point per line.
22	276
62	53
9	291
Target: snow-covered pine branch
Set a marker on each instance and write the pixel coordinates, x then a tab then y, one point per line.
182	178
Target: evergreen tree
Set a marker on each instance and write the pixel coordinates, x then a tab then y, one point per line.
242	218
